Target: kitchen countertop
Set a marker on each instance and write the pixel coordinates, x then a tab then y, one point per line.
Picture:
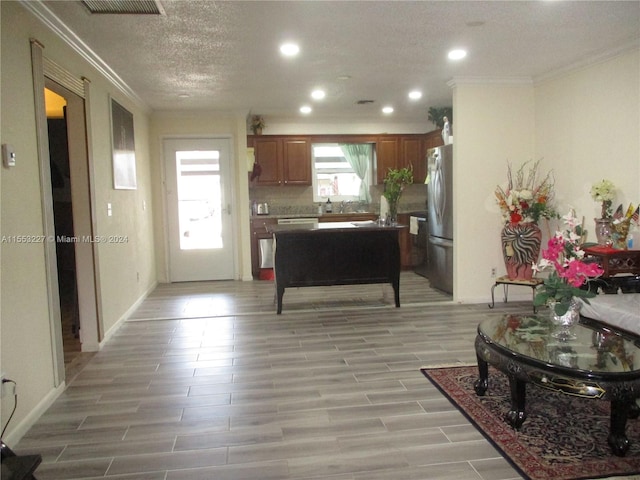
333	226
315	215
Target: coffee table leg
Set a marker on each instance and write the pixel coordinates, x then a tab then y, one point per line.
516	416
481	385
618	440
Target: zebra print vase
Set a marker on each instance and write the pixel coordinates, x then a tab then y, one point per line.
520	249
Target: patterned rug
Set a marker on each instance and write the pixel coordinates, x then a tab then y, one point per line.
564	437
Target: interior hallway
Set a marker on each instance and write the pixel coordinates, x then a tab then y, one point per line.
205	381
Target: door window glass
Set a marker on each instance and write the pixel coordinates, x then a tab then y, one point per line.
199	199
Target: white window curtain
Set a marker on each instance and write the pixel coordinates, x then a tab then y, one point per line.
359	157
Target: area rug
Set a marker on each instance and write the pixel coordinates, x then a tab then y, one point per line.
564	437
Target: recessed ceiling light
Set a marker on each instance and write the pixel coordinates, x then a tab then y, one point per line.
387	110
305	109
415	95
318	94
289	49
344	77
183	95
457	54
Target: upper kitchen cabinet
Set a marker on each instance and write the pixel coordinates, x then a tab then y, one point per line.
284	160
413	154
408	150
386	155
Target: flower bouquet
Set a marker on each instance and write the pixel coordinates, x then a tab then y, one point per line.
528	198
564	257
604	192
523	203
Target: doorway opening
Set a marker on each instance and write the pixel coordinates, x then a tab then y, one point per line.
56	108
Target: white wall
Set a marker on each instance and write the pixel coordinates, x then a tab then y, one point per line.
167	124
26	343
309	126
584	125
494	126
588	127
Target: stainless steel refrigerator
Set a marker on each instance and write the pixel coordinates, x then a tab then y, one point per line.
440	217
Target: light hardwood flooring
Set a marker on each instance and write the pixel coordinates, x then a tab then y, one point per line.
205	381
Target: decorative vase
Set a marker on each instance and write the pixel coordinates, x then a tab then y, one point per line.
257	131
564	322
603	231
393	213
520	249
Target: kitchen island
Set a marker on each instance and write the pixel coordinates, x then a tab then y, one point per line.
336	253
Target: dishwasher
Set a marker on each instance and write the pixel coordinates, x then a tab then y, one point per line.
266	244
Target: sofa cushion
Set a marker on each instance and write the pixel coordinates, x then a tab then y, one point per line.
620	310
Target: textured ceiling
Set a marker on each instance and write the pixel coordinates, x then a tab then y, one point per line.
224	55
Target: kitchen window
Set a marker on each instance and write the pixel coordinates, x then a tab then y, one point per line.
342	172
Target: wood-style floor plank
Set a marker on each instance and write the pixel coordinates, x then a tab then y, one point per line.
205	381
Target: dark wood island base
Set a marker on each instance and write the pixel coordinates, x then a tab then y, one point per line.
336	254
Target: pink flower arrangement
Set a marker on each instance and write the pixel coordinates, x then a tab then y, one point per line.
569	272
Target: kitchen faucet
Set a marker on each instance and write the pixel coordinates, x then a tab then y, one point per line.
344	206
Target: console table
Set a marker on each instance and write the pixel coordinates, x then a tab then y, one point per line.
614	261
336	253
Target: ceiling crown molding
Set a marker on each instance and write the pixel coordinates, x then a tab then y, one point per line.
587	62
50	20
480	80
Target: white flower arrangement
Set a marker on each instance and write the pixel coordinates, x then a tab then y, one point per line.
604	192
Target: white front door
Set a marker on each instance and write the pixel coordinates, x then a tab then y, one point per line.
198	179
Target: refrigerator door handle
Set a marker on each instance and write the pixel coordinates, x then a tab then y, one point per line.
441	242
439	190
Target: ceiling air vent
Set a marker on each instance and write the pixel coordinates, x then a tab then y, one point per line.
364	102
136	7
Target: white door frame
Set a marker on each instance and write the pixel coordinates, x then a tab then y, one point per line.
90	329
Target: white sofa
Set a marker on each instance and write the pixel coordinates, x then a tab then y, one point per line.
621	310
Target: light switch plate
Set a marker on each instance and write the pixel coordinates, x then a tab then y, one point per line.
8	155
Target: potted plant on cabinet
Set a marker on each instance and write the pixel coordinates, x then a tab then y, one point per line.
257	124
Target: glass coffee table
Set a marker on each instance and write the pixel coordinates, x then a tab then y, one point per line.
600	363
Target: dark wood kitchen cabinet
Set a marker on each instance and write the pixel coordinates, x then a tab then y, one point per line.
413	154
283	159
386	155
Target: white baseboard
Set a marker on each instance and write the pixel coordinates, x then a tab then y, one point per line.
34	415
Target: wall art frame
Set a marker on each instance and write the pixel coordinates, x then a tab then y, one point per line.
123	148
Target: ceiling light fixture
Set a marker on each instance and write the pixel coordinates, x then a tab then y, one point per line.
318	94
289	49
306	109
457	54
415	95
387	110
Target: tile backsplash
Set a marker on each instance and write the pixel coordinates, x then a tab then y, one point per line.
292	200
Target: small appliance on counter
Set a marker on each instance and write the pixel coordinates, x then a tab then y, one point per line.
262	208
